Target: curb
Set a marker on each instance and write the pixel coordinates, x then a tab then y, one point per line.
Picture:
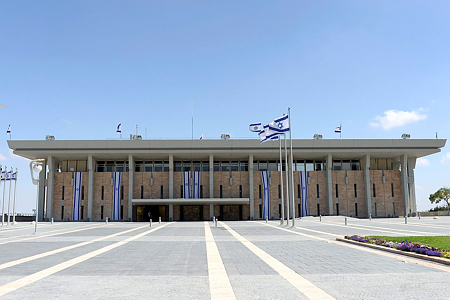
392	250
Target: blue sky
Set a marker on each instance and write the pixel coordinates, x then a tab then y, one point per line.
75	69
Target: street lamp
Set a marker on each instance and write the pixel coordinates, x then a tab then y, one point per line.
36	166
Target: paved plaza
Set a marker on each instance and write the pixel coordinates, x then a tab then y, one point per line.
196	260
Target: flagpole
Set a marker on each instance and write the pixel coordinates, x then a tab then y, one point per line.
14	203
9	198
340	131
292	171
281	182
3	201
287	180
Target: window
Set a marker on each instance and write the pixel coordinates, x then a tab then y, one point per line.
273	165
243	166
260	192
337	165
186	166
121	212
216	166
375	206
300	165
82	211
225	166
309	165
374	192
142	192
221	195
318	166
100	166
337	209
101	212
392	189
181	191
240	191
82	192
356	193
166	166
201	191
177	166
120	166
62	195
110	166
255	166
262	165
205	166
356	165
317	190
158	166
260	211
356	209
139	166
62	212
234	166
346	166
337	191
103	192
298	191
121	192
279	191
318	208
197	166
162	192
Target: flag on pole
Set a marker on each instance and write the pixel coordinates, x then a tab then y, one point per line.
8	131
187	184
76	195
338	129
116	195
196	188
14	176
201	137
304	192
119	128
255	127
280	124
266	203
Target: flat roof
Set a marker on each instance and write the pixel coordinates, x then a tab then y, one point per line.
222	149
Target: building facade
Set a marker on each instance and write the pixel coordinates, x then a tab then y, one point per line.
344	177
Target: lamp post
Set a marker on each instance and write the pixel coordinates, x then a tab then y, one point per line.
36	166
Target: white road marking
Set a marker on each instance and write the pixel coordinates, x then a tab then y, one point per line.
374	251
219	283
303	285
46	232
12	286
51	252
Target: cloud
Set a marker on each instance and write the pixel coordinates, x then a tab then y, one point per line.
446	159
396	118
422	162
2	157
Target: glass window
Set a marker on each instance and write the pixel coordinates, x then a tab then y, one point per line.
120	166
216	166
100	166
262	165
300	165
139	166
186	166
356	165
177	166
337	165
225	166
318	166
148	166
309	165
166	166
205	166
110	166
243	166
234	166
196	166
255	166
273	165
346	165
158	167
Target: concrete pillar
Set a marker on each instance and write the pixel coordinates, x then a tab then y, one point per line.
130	185
412	184
90	205
330	184
50	186
250	183
211	185
404	182
42	184
367	184
171	186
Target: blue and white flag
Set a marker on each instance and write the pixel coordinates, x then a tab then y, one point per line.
264	138
116	196
201	137
119	128
196	188
76	195
338	129
187	184
8	176
304	192
255	127
3	176
8	131
280	124
14	176
266	203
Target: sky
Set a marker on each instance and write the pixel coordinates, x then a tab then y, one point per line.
76	69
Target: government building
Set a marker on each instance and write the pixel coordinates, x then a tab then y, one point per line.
131	180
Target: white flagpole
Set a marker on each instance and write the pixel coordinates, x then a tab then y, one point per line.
3	202
9	198
292	171
340	131
14	203
281	182
287	180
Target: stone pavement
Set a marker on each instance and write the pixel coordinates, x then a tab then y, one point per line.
195	260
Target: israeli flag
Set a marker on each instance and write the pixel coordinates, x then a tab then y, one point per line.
196	189
3	176
119	128
280	124
14	176
304	192
8	175
338	129
116	196
8	131
201	137
255	127
266	203
263	137
187	185
76	196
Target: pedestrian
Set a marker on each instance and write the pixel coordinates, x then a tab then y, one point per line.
149	216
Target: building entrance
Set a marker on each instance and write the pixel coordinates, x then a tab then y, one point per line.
231	212
191	213
141	213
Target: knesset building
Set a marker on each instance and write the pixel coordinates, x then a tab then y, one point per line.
349	177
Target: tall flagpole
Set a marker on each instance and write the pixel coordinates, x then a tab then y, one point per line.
292	171
281	182
14	203
340	131
9	198
3	202
287	180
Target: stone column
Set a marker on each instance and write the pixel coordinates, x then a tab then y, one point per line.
211	185
330	184
130	186
250	183
42	184
367	184
404	182
171	187
50	186
90	205
412	185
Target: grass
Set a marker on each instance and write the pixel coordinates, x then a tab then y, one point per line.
441	242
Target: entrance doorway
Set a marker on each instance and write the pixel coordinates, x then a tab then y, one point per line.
141	213
191	213
231	212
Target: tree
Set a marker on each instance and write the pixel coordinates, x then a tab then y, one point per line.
443	194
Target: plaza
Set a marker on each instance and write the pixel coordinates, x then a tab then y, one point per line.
236	259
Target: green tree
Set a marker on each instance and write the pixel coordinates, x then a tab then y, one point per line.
443	194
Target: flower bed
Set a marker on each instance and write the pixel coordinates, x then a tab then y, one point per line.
404	245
